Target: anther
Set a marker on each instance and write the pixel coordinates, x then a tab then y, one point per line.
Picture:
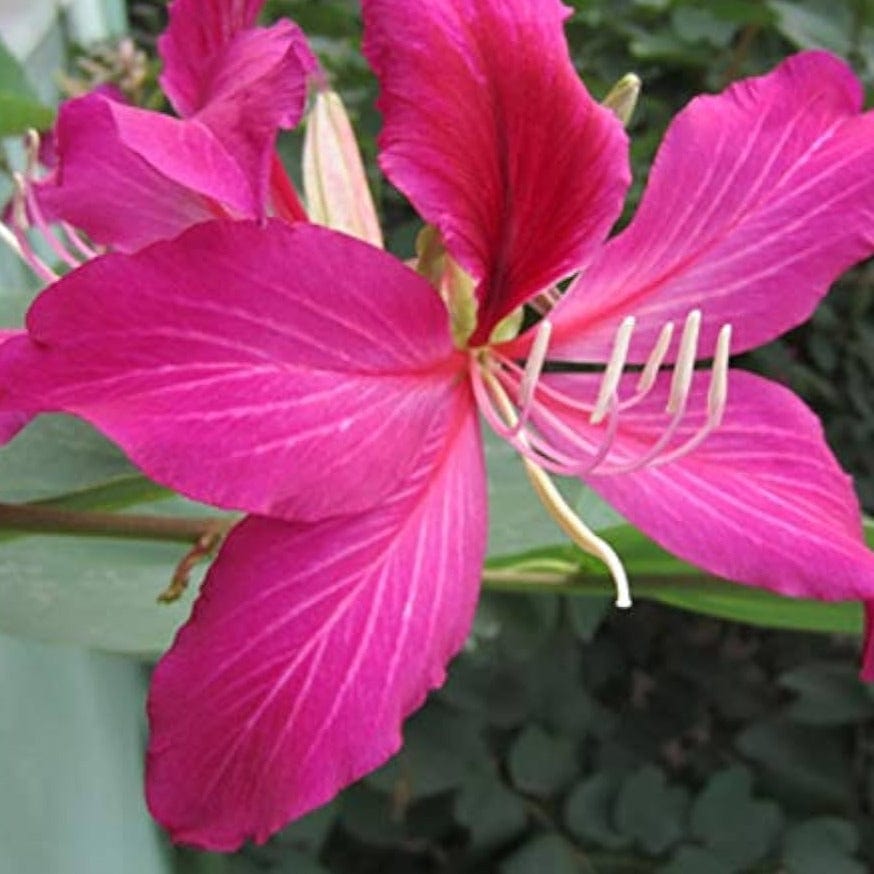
613	372
684	366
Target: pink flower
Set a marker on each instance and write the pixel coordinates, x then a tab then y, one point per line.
327	389
129	176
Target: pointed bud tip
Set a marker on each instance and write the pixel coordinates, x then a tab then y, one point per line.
623	96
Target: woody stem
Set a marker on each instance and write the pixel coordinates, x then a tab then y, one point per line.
36	519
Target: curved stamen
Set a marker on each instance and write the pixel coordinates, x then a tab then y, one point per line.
34	210
552	500
76	240
22	246
533	369
615	368
717	397
580	454
653	365
684	366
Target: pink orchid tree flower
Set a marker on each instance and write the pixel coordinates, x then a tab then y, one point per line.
128	176
315	382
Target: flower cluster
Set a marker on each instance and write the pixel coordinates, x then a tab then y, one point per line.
274	359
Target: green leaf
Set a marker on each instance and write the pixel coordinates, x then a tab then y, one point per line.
823	24
656	574
828	693
547	852
19	114
651	811
806	764
586	616
822	844
517	521
492	814
540	763
71	775
695	860
588	811
58	454
441	749
97	592
736	828
13	78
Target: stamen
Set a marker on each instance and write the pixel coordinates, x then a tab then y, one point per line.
75	238
717	396
33	207
533	369
656	358
552	500
684	366
22	245
615	367
31	141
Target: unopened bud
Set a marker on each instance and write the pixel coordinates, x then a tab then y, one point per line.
622	98
334	180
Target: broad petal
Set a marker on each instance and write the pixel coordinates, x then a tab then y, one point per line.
285	370
241	81
762	501
495	140
128	177
310	645
11	421
759	199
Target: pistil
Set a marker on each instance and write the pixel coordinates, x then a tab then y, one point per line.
551	498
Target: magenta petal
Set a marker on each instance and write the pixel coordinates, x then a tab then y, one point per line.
310	645
197	41
759	198
129	177
762	501
198	32
495	140
283	370
242	82
11	421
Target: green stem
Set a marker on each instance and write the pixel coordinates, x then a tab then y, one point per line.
41	519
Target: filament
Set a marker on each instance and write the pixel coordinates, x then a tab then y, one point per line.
562	449
555	504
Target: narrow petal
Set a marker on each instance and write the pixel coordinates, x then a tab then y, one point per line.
495	140
285	370
759	199
762	501
243	82
128	177
310	645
